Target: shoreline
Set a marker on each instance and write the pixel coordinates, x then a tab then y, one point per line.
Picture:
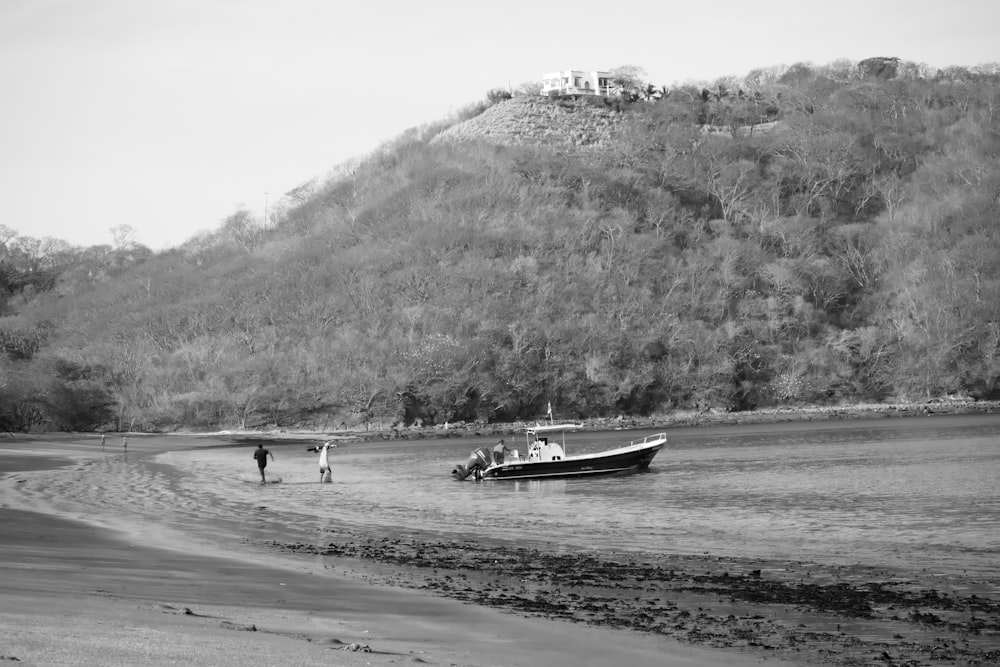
79	593
771	609
767	609
676	419
738	610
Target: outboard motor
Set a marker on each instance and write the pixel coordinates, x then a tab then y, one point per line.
479	460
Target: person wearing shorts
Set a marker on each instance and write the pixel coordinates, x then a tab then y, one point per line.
261	455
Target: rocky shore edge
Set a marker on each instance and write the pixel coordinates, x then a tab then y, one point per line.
797	611
673	419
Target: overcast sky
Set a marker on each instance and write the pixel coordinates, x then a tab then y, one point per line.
167	115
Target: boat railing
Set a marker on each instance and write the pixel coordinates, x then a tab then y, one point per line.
648	439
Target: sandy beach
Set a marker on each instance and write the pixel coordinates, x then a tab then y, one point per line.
79	593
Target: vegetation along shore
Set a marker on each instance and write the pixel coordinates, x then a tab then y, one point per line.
680	418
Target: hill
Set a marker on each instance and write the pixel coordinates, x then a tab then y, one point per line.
628	259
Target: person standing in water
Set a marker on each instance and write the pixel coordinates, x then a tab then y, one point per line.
124	443
325	469
103	438
261	455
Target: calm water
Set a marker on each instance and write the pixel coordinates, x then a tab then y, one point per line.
918	492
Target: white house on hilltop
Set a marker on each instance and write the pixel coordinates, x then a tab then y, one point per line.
575	82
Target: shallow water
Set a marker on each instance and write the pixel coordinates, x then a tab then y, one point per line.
914	493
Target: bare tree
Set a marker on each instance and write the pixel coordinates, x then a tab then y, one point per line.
242	227
629	79
529	88
123	237
6	234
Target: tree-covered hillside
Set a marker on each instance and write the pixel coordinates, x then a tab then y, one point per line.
801	235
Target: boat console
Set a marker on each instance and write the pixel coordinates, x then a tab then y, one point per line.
543	450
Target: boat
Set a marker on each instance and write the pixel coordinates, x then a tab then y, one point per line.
547	458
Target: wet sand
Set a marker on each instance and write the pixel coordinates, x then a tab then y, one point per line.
804	613
78	593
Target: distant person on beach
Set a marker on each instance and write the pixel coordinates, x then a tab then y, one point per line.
103	438
124	443
261	455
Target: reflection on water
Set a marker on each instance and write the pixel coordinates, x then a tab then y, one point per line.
537	487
